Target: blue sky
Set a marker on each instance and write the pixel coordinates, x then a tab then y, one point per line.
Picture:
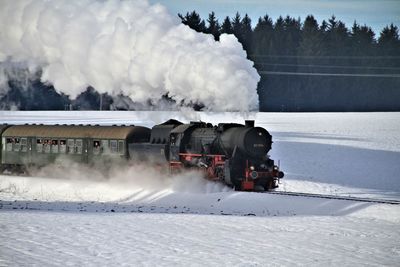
376	14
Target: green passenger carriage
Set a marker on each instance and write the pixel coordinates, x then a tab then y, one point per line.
39	145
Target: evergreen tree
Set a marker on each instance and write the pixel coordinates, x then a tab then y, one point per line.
337	37
213	26
242	30
310	46
263	36
237	25
292	29
246	34
388	42
389	48
311	38
194	21
332	23
226	26
324	26
362	40
279	39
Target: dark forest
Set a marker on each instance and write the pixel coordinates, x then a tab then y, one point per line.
306	66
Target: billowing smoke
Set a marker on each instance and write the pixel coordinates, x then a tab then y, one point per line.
3	81
17	72
126	47
20	76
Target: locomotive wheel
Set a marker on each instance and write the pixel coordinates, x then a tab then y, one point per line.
259	188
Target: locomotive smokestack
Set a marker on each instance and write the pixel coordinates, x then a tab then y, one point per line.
249	123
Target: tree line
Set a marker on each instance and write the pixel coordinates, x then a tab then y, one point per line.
304	66
307	66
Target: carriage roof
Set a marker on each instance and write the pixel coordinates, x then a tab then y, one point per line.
76	131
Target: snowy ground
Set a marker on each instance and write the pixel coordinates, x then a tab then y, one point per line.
140	217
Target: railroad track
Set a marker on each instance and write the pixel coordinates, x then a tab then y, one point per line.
348	198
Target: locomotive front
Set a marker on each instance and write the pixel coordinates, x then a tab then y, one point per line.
248	165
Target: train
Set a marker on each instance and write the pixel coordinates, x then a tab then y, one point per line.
231	153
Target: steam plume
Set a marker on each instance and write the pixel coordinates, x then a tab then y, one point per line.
128	47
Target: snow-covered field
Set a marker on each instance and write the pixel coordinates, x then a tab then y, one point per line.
141	217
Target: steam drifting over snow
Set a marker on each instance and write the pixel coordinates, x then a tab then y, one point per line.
128	47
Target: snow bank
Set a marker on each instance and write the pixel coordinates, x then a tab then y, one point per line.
143	239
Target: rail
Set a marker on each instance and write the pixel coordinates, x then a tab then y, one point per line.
348	198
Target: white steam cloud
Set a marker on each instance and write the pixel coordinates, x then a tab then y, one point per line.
116	182
128	47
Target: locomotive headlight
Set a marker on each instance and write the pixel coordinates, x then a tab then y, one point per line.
254	174
252	168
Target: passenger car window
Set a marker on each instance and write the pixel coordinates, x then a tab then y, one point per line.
9	144
78	144
121	147
17	145
71	146
54	146
113	146
96	147
63	146
104	146
24	146
46	145
39	145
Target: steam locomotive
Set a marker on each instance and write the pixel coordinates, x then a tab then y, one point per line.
234	154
